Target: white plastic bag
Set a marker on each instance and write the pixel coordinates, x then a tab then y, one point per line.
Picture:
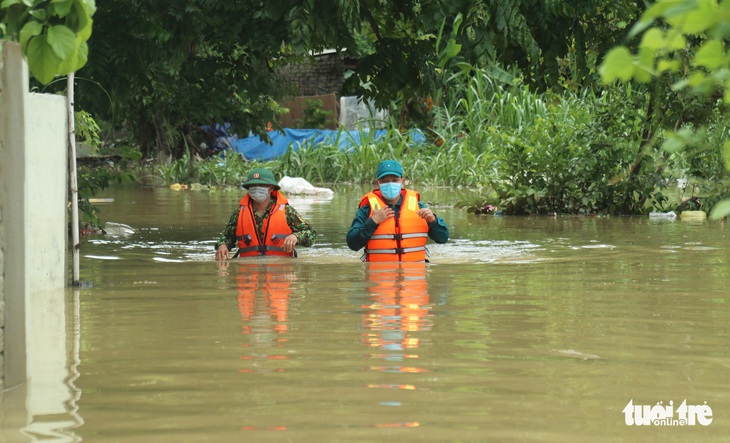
299	186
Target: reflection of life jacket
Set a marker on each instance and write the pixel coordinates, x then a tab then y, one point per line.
273	283
275	229
397	239
399	305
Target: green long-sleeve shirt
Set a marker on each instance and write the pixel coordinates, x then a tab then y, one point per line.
306	235
363	227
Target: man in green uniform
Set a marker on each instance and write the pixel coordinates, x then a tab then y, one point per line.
264	223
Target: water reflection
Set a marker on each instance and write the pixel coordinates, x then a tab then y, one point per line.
263	294
45	408
396	323
399	307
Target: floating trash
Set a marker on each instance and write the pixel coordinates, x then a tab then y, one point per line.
662	215
693	215
111	228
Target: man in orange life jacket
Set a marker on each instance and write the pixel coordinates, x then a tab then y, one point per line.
391	223
264	223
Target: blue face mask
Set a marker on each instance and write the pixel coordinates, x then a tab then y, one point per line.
390	190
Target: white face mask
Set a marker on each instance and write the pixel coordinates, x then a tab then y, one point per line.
258	193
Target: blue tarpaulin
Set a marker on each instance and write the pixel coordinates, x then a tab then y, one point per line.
254	149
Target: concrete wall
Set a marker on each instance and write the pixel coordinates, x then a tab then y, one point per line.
33	231
324	74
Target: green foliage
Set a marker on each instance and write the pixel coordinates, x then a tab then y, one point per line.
328	163
87	130
539	153
435	63
92	178
538	37
52	33
314	116
172	66
229	169
698	162
684	39
523	151
181	170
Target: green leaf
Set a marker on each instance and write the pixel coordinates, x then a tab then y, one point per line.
673	144
618	64
89	6
726	155
85	33
711	55
721	210
662	8
677	140
9	3
640	26
62	40
653	39
658	9
39	14
42	59
79	20
665	65
676	42
62	7
678	8
76	62
645	66
696	79
680	84
697	20
31	29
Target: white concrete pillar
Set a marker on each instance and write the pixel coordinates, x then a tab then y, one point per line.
33	189
13	92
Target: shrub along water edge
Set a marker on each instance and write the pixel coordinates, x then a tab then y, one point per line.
523	151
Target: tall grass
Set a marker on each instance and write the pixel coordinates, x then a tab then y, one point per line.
527	152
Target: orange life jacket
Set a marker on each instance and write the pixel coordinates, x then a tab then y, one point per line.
275	229
401	239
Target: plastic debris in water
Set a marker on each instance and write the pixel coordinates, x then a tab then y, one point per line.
693	215
111	228
662	215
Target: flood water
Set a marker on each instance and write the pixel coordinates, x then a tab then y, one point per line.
527	329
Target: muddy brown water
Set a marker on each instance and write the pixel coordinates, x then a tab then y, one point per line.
520	329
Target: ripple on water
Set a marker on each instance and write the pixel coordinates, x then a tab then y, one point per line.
484	251
455	251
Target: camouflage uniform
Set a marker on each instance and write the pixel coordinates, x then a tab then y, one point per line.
304	232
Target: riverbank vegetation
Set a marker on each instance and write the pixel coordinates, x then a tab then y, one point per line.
507	95
521	151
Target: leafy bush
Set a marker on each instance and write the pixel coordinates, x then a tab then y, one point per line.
524	152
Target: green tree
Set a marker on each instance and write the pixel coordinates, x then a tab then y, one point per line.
407	43
684	40
52	33
547	40
161	68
